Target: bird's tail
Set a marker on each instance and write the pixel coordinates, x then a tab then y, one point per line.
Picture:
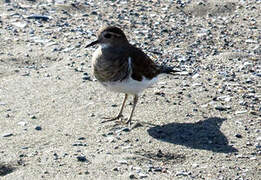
169	69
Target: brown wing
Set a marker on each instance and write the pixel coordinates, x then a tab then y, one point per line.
142	65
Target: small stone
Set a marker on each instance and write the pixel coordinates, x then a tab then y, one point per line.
182	173
38	128
253	112
126	129
224	98
81	158
258	145
195	165
33	117
238	136
138	169
78	69
253	158
55	156
258	138
26	74
157	169
116	169
40	17
221	108
195	76
19	24
141	175
110	133
196	84
7	134
86	78
241	112
132	176
47	75
183	73
94	13
2	103
81	138
123	162
249	81
22	123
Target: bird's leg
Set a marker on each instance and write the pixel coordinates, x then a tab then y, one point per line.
122	107
135	100
120	113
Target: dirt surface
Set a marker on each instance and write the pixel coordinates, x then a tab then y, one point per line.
202	123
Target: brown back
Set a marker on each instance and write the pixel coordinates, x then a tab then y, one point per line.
142	65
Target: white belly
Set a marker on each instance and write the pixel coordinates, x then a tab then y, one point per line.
130	86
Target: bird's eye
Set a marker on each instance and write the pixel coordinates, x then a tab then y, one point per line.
108	36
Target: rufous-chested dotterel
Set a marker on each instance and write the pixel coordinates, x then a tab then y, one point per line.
123	68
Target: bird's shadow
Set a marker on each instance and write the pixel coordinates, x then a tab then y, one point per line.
204	134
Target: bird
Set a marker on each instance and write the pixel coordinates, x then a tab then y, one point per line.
121	67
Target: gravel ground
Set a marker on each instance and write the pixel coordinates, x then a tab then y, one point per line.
202	123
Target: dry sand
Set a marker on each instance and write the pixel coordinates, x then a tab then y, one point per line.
203	123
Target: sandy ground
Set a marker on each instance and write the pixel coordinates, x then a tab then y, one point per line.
203	123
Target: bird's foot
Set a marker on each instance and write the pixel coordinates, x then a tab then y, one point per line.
109	119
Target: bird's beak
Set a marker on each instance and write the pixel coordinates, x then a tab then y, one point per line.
92	43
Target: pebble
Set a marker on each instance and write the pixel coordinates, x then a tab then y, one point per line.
2	103
55	156
116	169
22	123
253	158
183	73
258	145
81	158
182	173
38	128
132	176
81	138
230	65
195	76
137	169
79	144
196	84
238	136
142	175
40	17
258	138
19	24
123	162
224	98
221	108
7	134
241	112
157	169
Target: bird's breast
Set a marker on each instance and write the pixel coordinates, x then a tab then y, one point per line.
107	67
